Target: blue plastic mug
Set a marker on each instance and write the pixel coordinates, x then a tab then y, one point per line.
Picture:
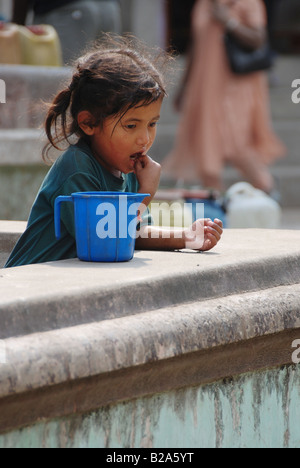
105	224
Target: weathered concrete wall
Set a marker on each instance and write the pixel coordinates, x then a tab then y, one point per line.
173	349
255	410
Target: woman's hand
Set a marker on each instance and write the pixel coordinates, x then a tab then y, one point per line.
249	36
220	12
203	235
148	173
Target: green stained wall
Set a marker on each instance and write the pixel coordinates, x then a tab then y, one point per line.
18	188
260	410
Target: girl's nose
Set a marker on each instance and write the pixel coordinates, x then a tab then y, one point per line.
143	138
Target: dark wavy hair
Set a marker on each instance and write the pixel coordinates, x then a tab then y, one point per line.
112	78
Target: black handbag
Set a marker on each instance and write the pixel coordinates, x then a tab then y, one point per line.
243	60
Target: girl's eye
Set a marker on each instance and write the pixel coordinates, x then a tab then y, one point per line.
133	126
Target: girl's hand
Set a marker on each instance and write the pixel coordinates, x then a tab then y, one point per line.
148	173
203	235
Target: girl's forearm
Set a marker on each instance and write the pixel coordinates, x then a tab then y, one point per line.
156	238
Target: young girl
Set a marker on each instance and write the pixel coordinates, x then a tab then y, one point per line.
112	106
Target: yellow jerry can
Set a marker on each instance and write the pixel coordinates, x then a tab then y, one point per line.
40	46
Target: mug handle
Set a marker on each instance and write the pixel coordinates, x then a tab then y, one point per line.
57	207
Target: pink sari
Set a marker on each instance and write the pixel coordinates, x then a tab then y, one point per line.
224	116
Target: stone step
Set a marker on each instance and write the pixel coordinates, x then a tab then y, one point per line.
286	70
22	147
282	106
280	89
287	131
27	87
287	179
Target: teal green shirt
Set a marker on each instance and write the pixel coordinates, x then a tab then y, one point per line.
75	171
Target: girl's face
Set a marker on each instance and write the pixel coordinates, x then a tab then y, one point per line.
118	144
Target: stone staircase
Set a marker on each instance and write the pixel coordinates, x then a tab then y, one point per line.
21	138
22	115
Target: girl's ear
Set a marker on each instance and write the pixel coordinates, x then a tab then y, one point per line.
85	122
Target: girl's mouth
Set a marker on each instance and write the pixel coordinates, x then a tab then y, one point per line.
135	156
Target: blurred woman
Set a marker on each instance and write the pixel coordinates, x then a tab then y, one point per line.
225	117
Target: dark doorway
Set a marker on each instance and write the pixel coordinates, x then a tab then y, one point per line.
179	23
286	25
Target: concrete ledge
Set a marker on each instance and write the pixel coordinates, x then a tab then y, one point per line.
246	260
10	231
80	336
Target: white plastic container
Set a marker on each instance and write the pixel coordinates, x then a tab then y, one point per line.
248	207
